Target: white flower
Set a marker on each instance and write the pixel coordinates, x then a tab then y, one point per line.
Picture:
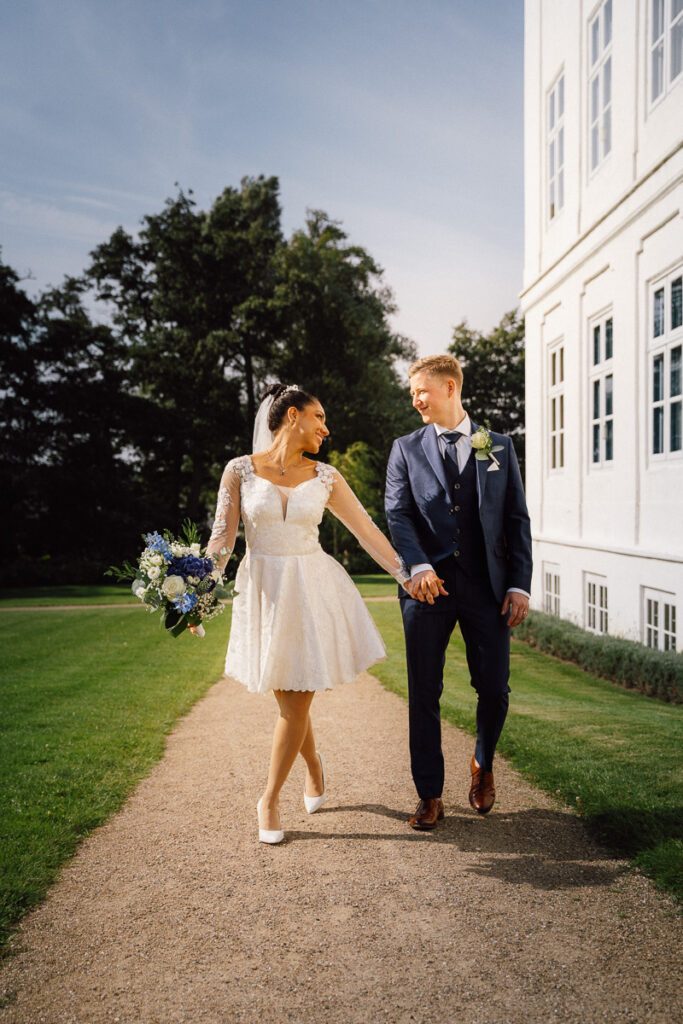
480	438
173	586
138	588
153	572
194	549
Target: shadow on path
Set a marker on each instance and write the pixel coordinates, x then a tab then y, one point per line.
517	847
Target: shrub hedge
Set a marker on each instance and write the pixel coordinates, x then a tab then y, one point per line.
655	673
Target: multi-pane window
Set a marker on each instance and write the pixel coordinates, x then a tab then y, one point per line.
596	604
659	620
551	588
666	358
666	45
556	410
600	84
556	148
601	385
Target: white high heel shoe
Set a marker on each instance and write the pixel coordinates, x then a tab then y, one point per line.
314	803
268	835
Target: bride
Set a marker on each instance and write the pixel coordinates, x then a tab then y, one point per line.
299	625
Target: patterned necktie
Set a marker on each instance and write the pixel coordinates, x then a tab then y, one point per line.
451	437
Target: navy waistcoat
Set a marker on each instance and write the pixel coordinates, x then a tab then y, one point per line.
469	546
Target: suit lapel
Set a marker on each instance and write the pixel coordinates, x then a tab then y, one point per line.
481	466
431	449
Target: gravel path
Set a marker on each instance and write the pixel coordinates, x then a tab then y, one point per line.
172	911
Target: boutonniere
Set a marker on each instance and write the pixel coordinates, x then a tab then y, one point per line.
483	445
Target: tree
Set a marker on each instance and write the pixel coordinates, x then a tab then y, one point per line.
121	422
91	415
333	310
189	297
20	440
67	414
363	470
493	369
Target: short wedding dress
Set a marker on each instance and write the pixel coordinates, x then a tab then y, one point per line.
298	621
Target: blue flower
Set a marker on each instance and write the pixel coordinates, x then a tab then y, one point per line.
185	603
155	542
190	565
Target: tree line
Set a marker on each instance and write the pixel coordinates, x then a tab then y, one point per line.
125	390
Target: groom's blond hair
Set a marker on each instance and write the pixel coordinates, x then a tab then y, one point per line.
439	366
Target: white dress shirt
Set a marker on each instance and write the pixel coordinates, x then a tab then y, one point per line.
463	447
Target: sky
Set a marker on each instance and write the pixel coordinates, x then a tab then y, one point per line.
400	118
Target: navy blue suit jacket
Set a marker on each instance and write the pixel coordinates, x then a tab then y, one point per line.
418	508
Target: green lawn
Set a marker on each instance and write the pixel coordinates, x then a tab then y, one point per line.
87	700
88	697
612	753
377	585
105	593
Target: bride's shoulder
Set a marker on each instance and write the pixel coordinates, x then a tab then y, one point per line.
240	466
327	474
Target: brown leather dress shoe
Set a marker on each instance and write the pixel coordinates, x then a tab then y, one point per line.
427	814
482	789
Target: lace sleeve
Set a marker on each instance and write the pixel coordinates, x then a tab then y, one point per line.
344	504
226	521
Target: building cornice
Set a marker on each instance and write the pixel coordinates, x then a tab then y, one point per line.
610	549
606	215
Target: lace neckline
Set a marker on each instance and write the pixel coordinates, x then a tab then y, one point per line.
295	488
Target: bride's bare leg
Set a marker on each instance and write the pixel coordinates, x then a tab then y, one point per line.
314	776
290	730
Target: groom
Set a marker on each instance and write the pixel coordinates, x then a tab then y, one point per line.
457	515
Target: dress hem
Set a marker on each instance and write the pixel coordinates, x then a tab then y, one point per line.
307	689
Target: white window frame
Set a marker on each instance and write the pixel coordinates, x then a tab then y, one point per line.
664	24
556	406
555	148
665	401
551	588
596	613
601	388
659	619
599	114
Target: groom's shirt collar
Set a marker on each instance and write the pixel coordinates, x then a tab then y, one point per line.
464	427
463	445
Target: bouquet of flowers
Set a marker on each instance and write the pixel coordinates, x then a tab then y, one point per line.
172	577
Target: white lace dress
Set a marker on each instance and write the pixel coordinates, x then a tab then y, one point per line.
298	621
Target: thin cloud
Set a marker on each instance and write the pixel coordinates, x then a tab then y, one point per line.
48	218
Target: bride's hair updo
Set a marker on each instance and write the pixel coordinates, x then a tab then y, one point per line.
284	396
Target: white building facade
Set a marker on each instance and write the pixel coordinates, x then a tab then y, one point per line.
603	305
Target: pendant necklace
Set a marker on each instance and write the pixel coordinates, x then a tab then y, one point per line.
282	468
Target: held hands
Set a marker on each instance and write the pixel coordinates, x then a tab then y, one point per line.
426	586
518	607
